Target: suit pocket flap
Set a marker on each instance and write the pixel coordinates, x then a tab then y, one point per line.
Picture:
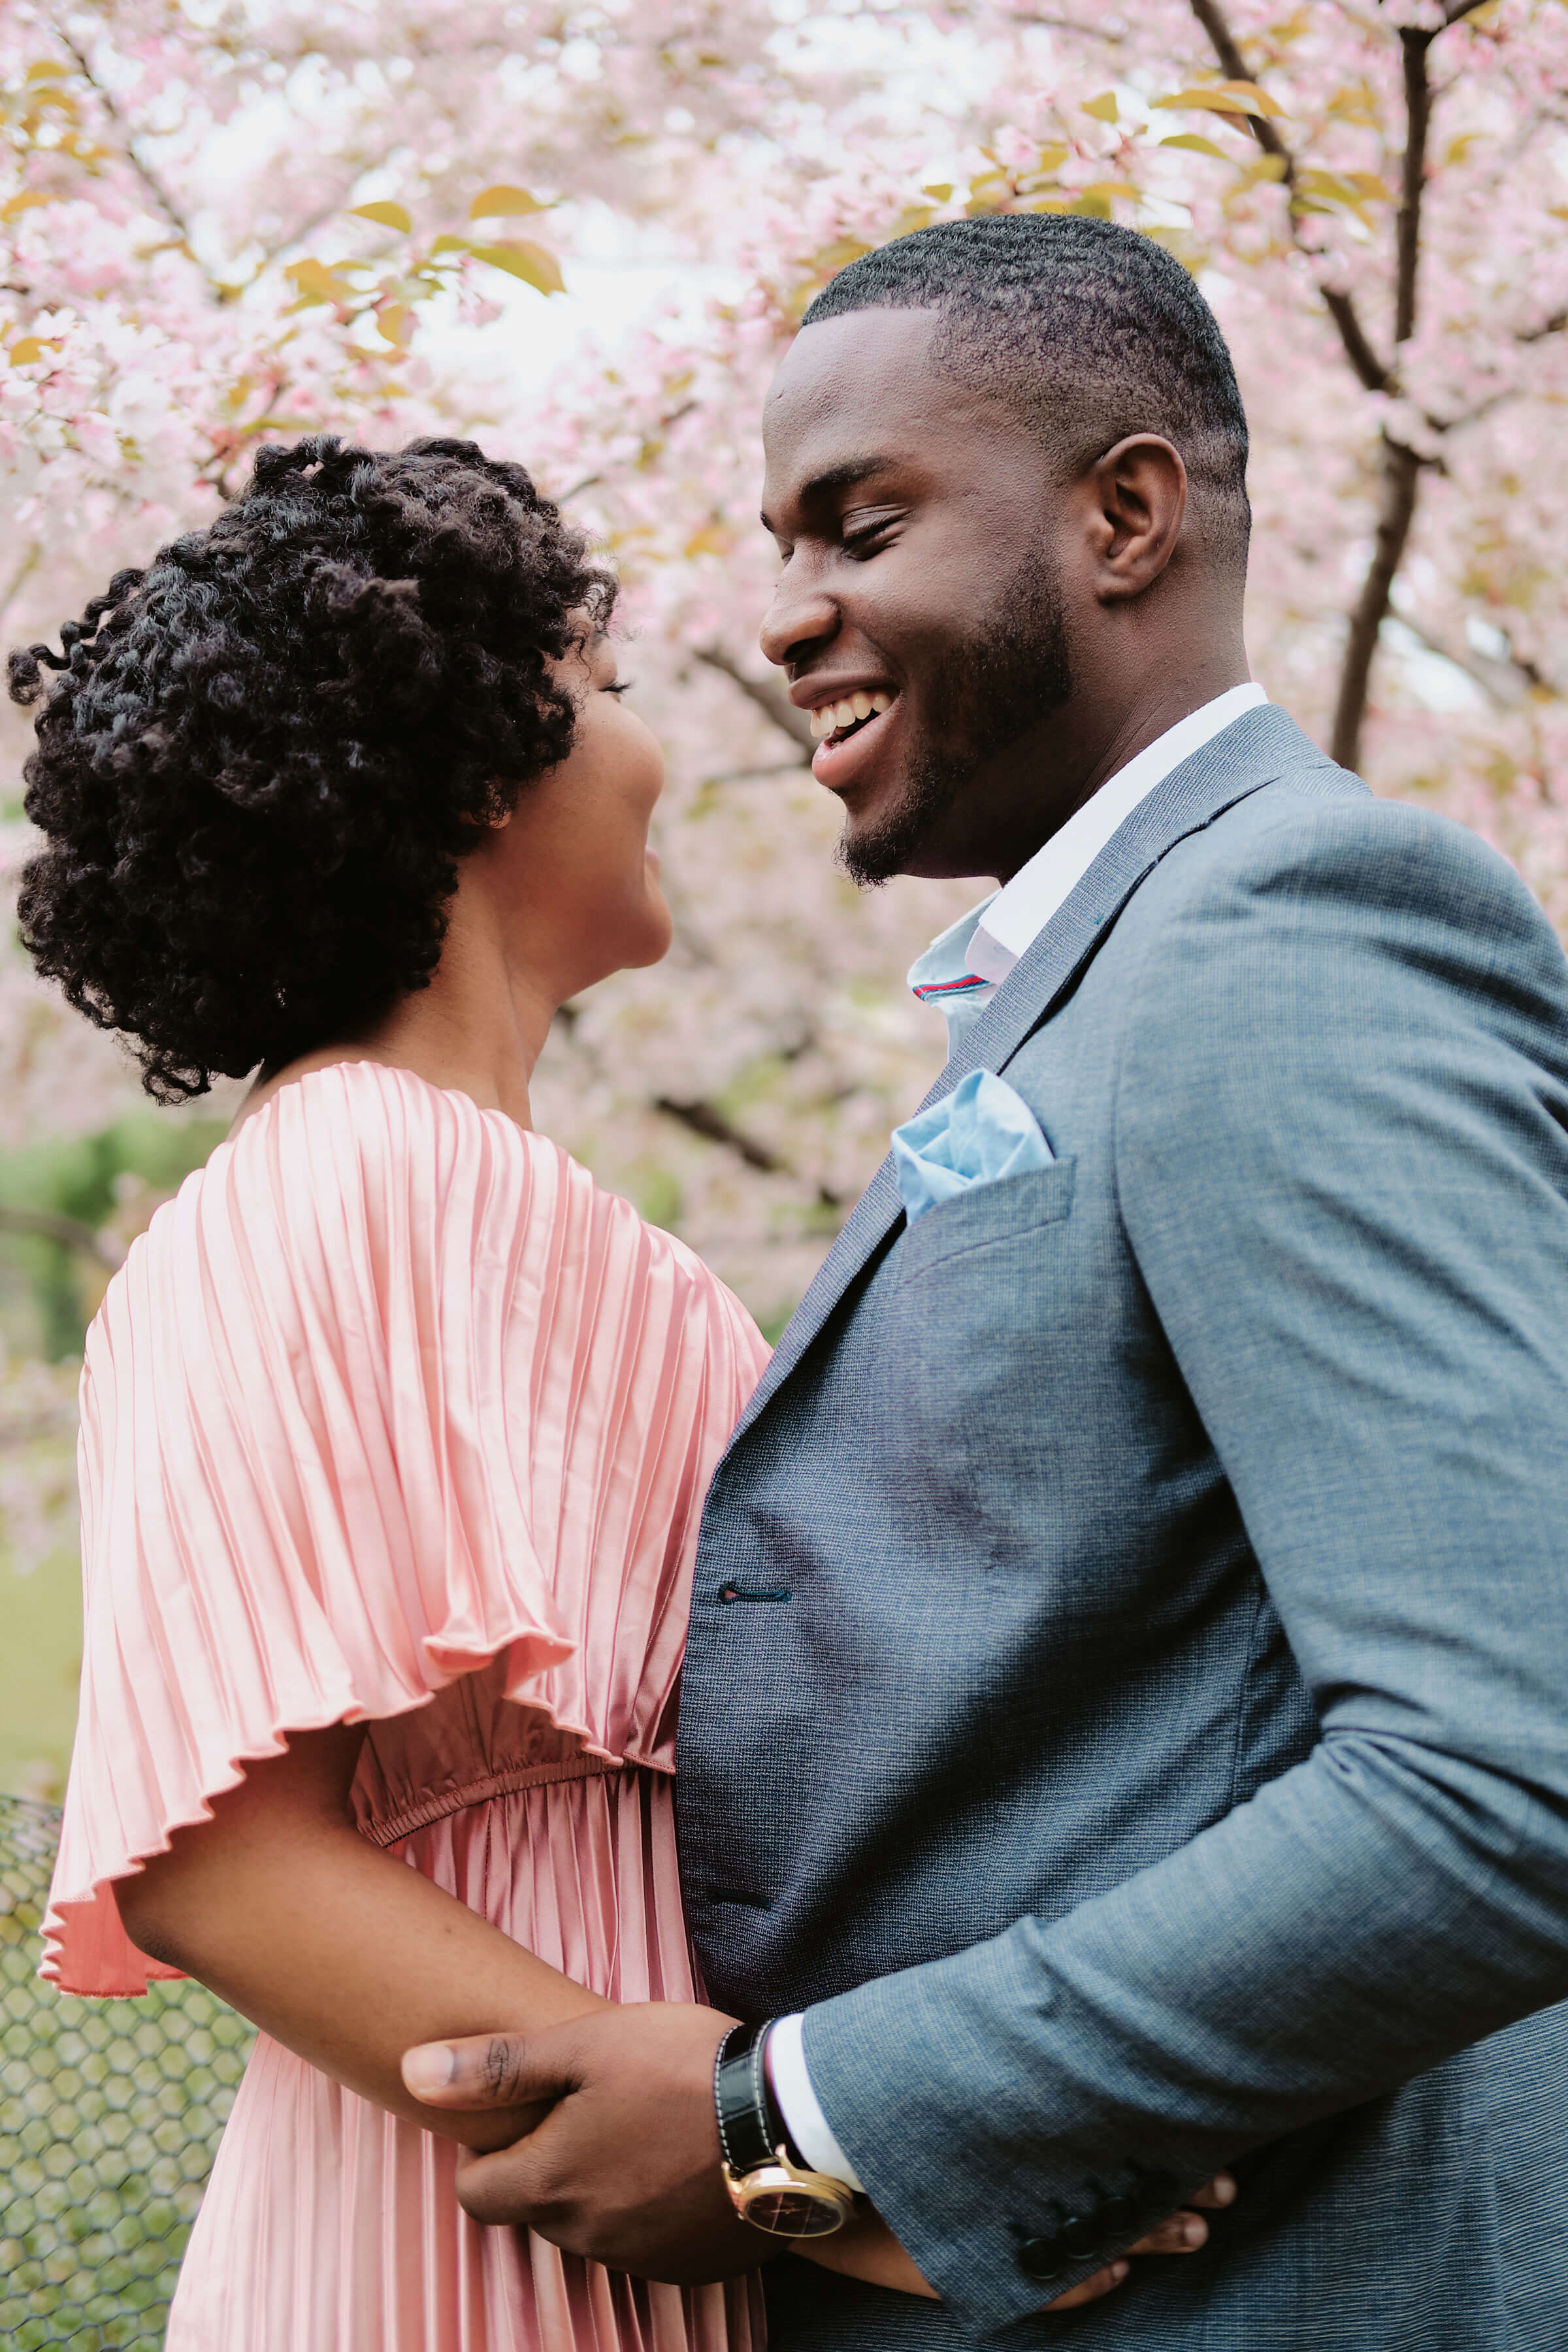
985	1214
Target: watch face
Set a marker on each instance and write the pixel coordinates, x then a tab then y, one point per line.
785	2210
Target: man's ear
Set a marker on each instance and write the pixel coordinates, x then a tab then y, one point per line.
1136	497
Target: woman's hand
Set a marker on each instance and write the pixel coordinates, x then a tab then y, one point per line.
867	2249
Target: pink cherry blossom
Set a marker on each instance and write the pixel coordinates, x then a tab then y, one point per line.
187	272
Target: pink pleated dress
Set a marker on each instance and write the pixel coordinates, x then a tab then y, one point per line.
393	1416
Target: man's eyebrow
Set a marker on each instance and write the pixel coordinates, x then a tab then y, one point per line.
845	476
836	477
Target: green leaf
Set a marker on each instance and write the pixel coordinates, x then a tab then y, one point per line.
1104	108
316	283
503	199
385	215
1198	144
1227	98
529	262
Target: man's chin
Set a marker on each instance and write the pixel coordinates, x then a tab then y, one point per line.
899	836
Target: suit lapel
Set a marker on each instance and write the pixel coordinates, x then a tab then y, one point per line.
1254	750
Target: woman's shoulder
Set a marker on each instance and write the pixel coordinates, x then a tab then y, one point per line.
362	1178
364	1143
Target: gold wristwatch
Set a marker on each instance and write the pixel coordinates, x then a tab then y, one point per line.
767	2184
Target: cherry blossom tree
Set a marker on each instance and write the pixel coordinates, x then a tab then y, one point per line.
224	223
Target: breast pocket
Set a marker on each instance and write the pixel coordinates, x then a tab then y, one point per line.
985	1323
983	1219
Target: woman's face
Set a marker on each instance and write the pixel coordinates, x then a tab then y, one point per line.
584	883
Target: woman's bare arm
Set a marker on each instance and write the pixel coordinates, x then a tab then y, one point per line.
340	1951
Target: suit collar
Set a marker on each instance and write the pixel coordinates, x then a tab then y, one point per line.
1254	750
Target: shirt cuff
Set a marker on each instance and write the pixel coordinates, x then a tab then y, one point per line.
806	2125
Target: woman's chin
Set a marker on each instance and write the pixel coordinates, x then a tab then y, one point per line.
657	932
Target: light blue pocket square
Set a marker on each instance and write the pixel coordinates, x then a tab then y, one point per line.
979	1132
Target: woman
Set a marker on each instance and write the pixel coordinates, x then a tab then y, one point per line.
395	1427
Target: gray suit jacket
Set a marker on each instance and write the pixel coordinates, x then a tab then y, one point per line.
1127	1700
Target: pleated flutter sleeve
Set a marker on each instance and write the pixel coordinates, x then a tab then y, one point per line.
389	1389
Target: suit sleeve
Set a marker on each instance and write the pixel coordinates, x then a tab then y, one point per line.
1342	1164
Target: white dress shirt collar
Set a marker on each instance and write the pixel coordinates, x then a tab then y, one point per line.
964	967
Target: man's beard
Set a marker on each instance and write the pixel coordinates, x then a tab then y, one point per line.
994	689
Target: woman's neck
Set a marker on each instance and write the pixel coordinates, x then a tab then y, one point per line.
479	1028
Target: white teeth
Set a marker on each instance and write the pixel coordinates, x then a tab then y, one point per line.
847	713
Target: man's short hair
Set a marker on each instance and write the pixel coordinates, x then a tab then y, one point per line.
1091	331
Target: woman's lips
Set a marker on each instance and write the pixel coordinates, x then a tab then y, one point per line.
838	763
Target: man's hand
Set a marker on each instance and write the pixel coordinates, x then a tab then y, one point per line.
626	2168
867	2249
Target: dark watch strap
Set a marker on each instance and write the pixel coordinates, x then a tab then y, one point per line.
748	2131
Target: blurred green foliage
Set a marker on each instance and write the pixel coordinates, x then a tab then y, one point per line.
49	1290
40	1662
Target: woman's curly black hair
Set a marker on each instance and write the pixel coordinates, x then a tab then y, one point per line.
265	755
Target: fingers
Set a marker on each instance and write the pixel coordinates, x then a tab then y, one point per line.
1219	2192
1178	2233
1090	2290
1183	2232
496	2190
488	2070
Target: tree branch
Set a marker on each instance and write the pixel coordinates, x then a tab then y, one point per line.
1396	511
750	775
1508	680
769	697
19	578
713	1126
149	178
1373	373
703	1120
1401	466
1343	310
1414	46
45	1224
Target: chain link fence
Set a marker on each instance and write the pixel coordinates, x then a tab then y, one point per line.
109	2117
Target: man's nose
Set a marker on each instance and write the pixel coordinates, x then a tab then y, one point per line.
801	619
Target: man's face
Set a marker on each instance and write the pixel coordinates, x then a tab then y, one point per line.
915	519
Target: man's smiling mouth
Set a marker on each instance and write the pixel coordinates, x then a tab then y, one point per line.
836	722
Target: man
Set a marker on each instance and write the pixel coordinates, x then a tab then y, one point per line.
1126	1713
